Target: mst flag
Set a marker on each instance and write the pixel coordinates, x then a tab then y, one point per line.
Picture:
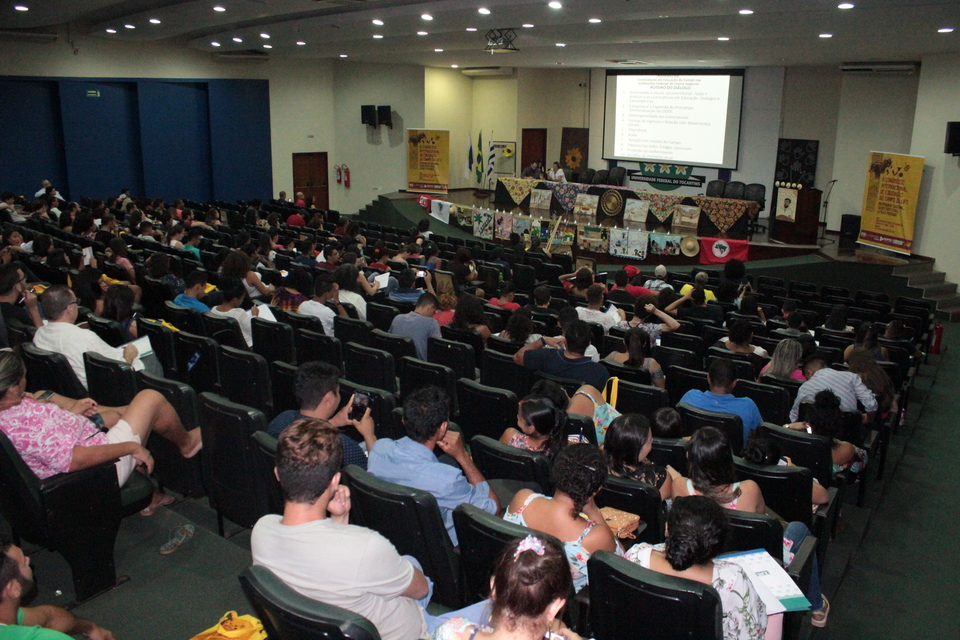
718	250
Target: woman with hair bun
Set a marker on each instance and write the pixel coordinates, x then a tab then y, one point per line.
578	473
696	528
627	445
529	588
541	426
637	344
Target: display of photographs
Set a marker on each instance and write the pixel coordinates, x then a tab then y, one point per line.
540	198
504	223
635	210
592	238
665	244
586	204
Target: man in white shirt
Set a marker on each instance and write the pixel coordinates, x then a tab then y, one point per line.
594	312
43	191
62	335
324	289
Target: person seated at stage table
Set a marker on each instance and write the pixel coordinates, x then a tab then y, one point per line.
693	304
556	174
594	311
578	282
533	171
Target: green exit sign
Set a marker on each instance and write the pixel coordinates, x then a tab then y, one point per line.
93	93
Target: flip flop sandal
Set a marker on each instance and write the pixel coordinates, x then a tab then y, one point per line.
166	501
825	612
177	537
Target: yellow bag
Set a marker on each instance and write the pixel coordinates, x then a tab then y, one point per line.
610	391
234	627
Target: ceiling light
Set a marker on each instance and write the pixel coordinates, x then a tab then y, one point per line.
454	66
21	7
343	55
154	21
268	46
560	44
377	36
129	26
216	44
301	43
427	16
238	39
265	35
221	9
471	28
484	11
746	12
594	20
422	33
379	23
723	38
527	26
111	30
945	30
845	5
439	50
826	35
555	5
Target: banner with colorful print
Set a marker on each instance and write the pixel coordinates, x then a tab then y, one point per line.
428	160
890	201
629	243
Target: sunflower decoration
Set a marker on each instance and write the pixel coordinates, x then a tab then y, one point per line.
574	158
508	152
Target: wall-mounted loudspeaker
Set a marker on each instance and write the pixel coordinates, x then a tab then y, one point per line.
384	115
952	143
368	114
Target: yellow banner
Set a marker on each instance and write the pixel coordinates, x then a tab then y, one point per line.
890	201
428	160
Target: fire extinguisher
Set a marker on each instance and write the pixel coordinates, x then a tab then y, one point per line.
339	174
937	338
346	176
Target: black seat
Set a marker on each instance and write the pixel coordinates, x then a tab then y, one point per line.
273	340
626	373
639	398
287	614
745	364
601	177
155	294
734	190
466	336
715	188
772	401
197	361
586	176
352	330
229	463
673	357
786	490
312	346
757	193
682	379
224	330
283	384
161	340
685	341
302	321
183	318
381	315
370	367
499	370
397	346
639	499
669	451
415	374
482	537
410	519
111	383
497	461
484	410
109	331
749	531
265	452
19	332
245	379
791	386
625	597
77	514
730	424
495	343
50	371
616	176
458	356
183	475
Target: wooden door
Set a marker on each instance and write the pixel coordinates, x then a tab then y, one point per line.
311	178
533	147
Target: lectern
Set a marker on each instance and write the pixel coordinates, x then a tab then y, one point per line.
795	215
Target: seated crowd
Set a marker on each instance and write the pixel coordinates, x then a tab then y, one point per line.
574	338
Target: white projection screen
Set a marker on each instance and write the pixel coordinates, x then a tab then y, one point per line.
689	117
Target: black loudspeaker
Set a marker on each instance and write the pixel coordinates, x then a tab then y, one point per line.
384	117
368	114
952	143
849	231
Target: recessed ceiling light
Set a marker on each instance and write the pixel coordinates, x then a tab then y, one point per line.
560	44
454	66
746	12
265	35
527	26
238	39
826	35
221	9
945	30
21	7
484	11
343	55
129	26
439	50
471	28
594	20
723	38
154	21
301	43
111	30
216	44
422	33
555	5
379	23
427	16
845	5
268	46
377	36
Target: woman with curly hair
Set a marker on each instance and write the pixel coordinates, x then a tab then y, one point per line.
696	529
448	308
237	265
519	328
578	473
827	420
627	445
541	426
469	315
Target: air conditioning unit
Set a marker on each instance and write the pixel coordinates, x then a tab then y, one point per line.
897	68
27	36
242	56
487	72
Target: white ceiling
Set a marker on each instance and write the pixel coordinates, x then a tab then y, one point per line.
665	33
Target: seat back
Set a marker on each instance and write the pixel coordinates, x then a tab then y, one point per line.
804	449
182	318
601	177
586	176
749	531
265	452
410	519
792	387
715	188
499	370
415	374
458	356
625	597
370	367
734	190
287	614
682	341
22	503
639	398
637	498
756	192
397	346
381	315
109	331
229	464
155	294
161	340
731	425
50	371
245	379
352	330
484	410
616	176
669	451
497	461
772	401
668	357
197	361
302	321
224	330
382	404
111	383
681	379
626	373
273	340
283	384
786	490
19	332
313	346
466	336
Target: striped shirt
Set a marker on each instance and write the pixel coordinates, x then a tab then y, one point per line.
845	385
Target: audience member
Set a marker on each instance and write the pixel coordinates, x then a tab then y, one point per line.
541	427
722	378
666	422
419	324
448	309
826	419
194	289
13	290
568	362
785	363
295	291
406	290
233	297
845	384
698	309
637	354
469	315
739	337
628	442
648	317
519	328
594	311
505	300
867	339
659	281
324	291
700	281
577	283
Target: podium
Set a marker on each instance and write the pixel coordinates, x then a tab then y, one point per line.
796	215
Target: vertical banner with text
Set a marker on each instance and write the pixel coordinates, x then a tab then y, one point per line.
890	201
428	160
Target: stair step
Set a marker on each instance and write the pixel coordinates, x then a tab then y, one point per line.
946	303
939	289
912	268
949	316
927	277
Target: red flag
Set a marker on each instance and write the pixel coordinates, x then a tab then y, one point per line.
425	202
719	250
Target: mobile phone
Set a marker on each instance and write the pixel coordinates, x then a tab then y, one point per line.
361	400
87	256
422	273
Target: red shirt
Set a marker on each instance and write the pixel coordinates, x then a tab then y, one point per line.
634	290
443	318
296	220
510	306
299	202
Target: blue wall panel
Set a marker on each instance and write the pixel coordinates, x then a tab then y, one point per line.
240	139
175	137
102	137
31	142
